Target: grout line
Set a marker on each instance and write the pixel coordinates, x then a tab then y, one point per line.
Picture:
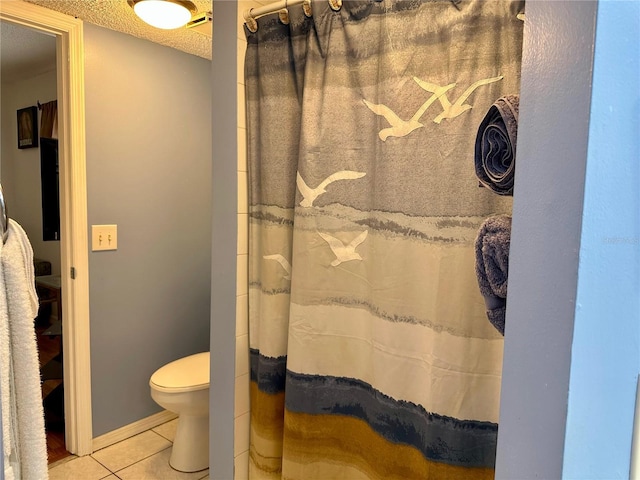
139	460
166	438
107	476
100	463
142	459
158	433
161	436
115	472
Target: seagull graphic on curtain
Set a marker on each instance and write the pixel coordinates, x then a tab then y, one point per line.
452	110
310	194
283	262
344	253
399	127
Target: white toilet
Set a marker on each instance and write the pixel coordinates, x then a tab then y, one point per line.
182	387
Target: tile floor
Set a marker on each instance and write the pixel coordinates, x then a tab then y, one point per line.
142	457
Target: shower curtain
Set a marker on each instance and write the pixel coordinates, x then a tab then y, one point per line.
370	352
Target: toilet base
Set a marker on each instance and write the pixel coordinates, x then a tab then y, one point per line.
190	451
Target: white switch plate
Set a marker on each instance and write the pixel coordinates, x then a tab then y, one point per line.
104	237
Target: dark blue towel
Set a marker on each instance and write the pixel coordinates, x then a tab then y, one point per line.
492	266
495	152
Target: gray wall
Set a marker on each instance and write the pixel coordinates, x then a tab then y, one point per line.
224	242
148	131
545	239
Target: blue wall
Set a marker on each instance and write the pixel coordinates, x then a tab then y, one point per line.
148	131
605	354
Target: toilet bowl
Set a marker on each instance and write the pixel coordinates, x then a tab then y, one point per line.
182	387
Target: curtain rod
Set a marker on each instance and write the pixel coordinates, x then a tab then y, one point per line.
251	14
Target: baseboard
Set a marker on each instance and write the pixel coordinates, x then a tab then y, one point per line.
132	429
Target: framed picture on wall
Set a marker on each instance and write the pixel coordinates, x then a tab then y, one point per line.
28	127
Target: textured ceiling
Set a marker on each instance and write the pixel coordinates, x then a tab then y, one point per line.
24	52
118	15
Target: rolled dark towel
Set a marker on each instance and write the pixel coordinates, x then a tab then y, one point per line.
495	152
492	266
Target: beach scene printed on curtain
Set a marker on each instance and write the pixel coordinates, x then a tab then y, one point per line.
371	355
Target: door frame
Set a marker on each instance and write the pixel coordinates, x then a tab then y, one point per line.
74	258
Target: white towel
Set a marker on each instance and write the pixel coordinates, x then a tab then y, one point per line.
21	308
6	472
7	407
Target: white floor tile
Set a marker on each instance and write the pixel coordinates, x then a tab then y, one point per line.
167	430
132	450
157	466
85	468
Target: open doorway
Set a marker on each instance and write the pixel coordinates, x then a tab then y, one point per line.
71	286
29	172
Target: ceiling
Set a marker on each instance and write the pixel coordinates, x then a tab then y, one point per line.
26	52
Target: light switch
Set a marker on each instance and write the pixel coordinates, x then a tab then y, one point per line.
104	237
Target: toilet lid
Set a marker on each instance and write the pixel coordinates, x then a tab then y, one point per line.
185	374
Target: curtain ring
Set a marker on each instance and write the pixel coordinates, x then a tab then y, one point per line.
249	21
284	15
306	8
335	5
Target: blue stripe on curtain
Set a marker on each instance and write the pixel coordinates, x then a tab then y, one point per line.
444	439
437	437
267	372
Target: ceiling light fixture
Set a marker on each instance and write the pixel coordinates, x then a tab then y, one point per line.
165	14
